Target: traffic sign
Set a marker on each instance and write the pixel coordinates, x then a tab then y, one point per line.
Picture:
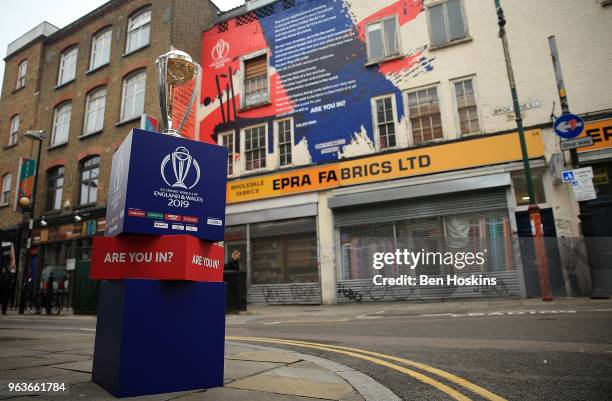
567	176
576	143
568	126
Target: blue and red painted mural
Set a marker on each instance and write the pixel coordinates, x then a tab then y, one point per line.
318	74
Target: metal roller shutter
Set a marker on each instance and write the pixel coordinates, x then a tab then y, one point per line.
440	205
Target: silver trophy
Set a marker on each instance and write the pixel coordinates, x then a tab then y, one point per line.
175	68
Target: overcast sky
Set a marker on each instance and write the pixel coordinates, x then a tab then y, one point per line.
23	15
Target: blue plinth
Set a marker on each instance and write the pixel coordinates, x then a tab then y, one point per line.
159	336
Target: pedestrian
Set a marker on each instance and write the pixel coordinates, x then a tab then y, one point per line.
234	263
49	292
6	284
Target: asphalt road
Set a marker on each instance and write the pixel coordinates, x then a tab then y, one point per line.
524	357
563	356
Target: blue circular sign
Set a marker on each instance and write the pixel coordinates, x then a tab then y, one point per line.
569	126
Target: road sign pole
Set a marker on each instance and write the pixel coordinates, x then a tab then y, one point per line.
554	54
534	210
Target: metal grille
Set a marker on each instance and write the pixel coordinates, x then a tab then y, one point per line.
222	27
245	19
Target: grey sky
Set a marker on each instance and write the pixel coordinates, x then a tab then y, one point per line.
20	16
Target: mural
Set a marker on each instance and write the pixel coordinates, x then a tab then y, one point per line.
318	75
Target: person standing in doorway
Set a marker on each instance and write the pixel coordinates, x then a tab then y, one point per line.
234	263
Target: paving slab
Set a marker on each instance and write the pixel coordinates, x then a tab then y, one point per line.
238	369
310	374
80	366
38	372
264	356
354	396
292	386
234	394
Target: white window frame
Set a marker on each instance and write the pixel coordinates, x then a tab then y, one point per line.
409	119
243	150
5	195
446	25
67	65
277	142
94	95
244	59
14	130
22	70
126	82
375	121
398	38
456	105
60	111
230	154
137	22
100	48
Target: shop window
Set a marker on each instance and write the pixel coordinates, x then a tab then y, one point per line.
6	189
255	147
520	189
383	39
94	111
14	131
227	140
21	74
284	140
67	66
466	107
284	252
89	172
138	31
55	188
425	118
132	101
61	124
447	23
83	251
255	81
385	122
100	49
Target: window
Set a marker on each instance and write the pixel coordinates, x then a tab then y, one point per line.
94	111
21	74
385	122
100	49
425	118
67	67
55	188
227	140
382	39
466	107
132	103
61	124
13	133
90	170
255	147
284	139
6	189
256	81
138	31
522	194
446	23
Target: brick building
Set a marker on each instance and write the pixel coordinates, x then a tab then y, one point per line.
86	85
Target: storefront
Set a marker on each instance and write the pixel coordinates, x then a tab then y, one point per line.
464	215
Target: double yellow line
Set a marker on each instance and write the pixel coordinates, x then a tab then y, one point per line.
375	357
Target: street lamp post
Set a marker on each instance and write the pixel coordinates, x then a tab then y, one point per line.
534	211
37	135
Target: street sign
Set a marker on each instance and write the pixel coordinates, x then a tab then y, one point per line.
568	126
576	143
582	183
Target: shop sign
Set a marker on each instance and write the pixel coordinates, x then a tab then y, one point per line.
600	131
457	155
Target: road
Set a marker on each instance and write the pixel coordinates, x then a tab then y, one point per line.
556	355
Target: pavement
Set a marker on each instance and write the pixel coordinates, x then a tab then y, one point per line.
252	372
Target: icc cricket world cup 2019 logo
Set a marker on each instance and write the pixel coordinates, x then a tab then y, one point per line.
182	165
